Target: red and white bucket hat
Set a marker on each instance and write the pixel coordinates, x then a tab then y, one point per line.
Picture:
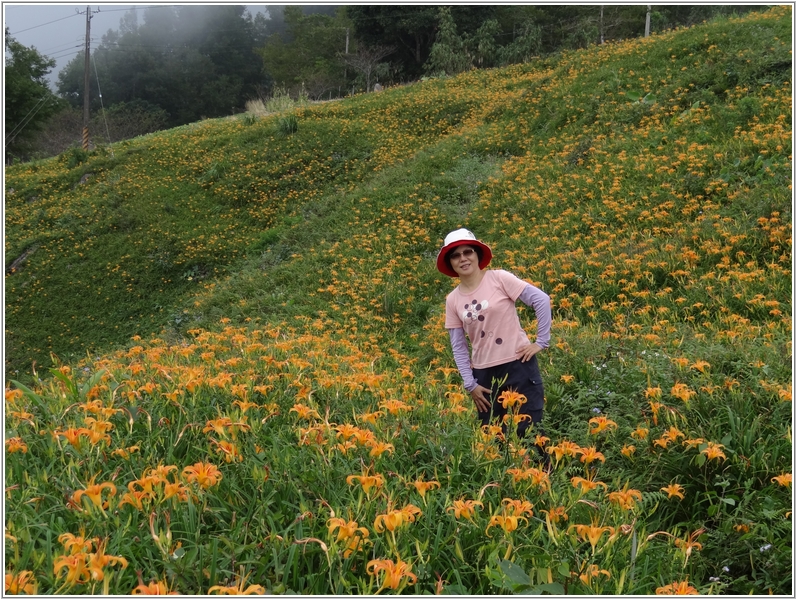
461	237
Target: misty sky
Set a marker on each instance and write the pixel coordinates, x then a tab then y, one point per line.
58	31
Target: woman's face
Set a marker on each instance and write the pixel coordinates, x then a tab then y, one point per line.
464	260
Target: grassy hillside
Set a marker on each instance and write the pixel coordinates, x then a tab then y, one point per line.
301	374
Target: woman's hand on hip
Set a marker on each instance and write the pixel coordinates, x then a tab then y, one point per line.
481	397
526	353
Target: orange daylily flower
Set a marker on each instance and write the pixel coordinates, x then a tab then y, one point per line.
394	519
518	507
564	448
464	508
94	492
204	474
654	392
510	399
153	588
75	566
591	572
601	424
228	450
587	485
379	448
304	412
784	479
714	451
628	450
507	522
541	440
625	498
349	532
394	407
135	498
693	443
76	544
422	486
590	454
679	588
346	431
372	416
687	544
175	490
98	560
20	583
640	433
674	489
538	477
394	572
556	514
73	435
682	392
368	482
592	532
238	589
15	444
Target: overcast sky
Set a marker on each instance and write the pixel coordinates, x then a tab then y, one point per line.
57	31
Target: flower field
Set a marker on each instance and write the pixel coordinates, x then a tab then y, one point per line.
251	388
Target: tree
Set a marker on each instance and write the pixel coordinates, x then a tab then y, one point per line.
526	43
191	61
412	29
448	54
28	99
306	54
367	61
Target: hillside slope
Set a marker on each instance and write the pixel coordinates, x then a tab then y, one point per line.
302	371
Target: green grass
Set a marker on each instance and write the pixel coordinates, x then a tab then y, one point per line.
645	186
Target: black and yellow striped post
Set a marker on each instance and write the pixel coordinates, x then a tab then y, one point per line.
85	138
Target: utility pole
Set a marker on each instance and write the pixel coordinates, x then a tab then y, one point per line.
601	27
647	22
86	82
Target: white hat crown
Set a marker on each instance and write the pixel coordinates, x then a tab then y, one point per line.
458	236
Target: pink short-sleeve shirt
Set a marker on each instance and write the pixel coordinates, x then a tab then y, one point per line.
490	319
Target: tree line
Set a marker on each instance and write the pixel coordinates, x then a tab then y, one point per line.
170	65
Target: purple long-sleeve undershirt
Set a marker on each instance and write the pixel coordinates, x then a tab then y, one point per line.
530	296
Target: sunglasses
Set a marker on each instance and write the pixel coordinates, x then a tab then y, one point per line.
467	253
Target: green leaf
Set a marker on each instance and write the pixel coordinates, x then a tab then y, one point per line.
32	396
633	96
91	382
564	569
557	589
513	574
729	501
70	385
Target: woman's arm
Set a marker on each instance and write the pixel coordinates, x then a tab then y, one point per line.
541	303
459	346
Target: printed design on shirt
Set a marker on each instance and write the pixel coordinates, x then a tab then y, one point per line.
475	311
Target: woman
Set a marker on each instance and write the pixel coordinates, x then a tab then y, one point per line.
483	307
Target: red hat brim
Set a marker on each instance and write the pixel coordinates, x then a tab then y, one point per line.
445	268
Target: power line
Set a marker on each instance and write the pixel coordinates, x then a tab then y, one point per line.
134	8
43	24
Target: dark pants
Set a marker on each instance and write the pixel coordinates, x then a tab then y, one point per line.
517	376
